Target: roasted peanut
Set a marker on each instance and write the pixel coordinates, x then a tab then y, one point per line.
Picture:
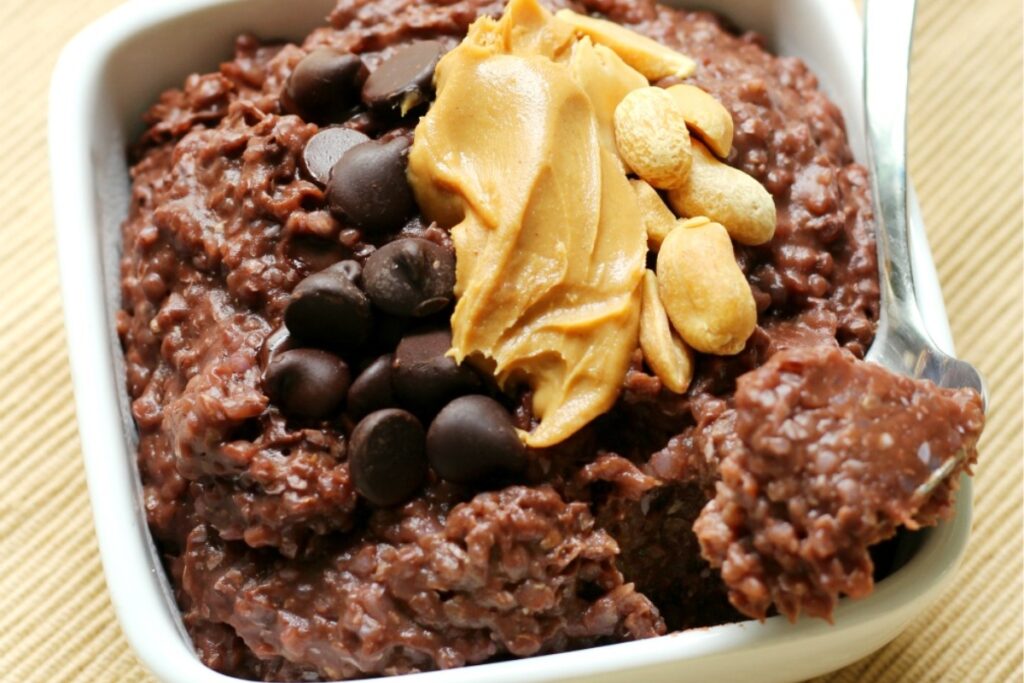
726	195
704	292
694	222
649	57
706	117
658	219
666	354
652	137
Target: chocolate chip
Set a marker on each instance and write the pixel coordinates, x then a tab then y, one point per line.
411	277
386	457
473	440
328	308
307	383
389	330
406	79
368	186
372	388
276	342
424	377
350	269
324	87
324	150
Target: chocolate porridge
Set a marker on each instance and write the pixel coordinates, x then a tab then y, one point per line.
359	457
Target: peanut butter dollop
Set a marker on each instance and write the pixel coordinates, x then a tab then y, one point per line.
517	157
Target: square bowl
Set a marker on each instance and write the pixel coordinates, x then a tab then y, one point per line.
111	72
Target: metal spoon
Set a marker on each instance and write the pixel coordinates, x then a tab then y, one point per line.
902	343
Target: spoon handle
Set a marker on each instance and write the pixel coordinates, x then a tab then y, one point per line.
888	31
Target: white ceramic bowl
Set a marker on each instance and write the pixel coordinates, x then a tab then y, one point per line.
110	73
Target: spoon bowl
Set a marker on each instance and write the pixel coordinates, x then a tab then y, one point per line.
902	343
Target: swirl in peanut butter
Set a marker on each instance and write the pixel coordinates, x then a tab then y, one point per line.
517	158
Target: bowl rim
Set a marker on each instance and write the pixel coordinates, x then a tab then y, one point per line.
133	572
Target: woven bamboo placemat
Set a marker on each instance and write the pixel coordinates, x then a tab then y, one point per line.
56	622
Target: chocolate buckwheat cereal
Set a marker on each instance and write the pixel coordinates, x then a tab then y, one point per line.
826	458
316	527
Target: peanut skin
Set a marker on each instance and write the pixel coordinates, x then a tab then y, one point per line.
726	195
704	292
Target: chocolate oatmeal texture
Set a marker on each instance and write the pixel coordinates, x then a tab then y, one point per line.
282	570
817	451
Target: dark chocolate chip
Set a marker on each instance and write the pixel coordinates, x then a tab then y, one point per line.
389	330
406	79
410	277
328	308
472	440
371	390
277	342
424	377
386	457
307	383
324	150
369	187
325	86
366	122
350	269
